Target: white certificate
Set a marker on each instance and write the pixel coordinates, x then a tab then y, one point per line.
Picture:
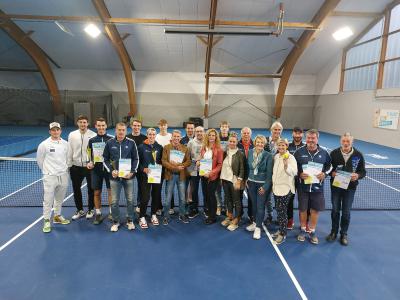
155	174
312	169
205	166
342	179
124	167
98	149
176	156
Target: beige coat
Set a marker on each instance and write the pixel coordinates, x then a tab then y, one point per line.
283	180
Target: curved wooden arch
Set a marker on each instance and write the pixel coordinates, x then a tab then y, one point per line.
39	58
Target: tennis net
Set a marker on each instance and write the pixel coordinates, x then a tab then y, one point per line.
21	186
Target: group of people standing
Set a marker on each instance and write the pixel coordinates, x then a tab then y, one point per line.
242	168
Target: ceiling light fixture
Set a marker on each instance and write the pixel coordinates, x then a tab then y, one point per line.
92	30
342	33
63	28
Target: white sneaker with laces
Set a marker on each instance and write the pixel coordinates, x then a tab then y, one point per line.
154	220
143	223
130	225
114	227
78	214
251	227
90	214
257	233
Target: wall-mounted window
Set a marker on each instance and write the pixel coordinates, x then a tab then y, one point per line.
373	60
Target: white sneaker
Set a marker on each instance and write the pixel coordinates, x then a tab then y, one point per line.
78	214
232	227
130	225
90	214
257	233
114	227
154	220
171	211
251	227
143	223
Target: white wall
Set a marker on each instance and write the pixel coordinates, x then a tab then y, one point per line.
353	111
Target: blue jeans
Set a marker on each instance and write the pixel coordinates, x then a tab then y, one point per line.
258	201
116	186
181	185
342	200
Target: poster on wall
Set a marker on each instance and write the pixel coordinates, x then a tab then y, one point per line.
386	118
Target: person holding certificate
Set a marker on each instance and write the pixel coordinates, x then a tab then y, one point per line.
313	165
232	177
175	160
285	169
98	172
121	160
210	164
150	167
259	182
348	166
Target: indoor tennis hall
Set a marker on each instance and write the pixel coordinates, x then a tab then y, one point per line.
329	65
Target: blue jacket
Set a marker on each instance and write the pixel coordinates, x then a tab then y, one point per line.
303	156
115	150
146	157
265	167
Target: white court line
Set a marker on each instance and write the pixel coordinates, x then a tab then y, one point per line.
14	238
9	195
384	184
285	264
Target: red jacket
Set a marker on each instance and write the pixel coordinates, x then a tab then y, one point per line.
217	159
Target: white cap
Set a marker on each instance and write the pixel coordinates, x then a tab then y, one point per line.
54	124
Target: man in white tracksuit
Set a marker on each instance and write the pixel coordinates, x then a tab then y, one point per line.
77	163
52	160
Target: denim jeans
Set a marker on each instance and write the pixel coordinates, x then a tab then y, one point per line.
342	200
181	185
116	186
258	201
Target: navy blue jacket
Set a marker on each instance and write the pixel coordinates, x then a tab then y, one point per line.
97	139
292	147
115	150
146	157
303	156
185	140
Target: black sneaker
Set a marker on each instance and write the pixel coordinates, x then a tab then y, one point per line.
183	219
343	240
98	219
331	237
209	221
193	214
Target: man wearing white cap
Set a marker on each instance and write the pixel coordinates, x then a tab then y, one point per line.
52	160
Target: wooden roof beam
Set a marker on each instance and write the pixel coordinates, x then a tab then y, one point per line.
305	39
213	13
110	20
236	75
38	56
115	38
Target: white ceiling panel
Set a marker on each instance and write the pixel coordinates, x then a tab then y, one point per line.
12	55
73	52
49	7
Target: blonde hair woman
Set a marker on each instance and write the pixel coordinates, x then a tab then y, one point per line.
285	169
211	151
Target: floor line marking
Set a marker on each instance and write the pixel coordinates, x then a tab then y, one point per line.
14	238
9	195
286	265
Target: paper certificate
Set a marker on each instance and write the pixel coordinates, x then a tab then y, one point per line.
312	169
342	179
124	167
176	156
98	149
155	174
205	166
